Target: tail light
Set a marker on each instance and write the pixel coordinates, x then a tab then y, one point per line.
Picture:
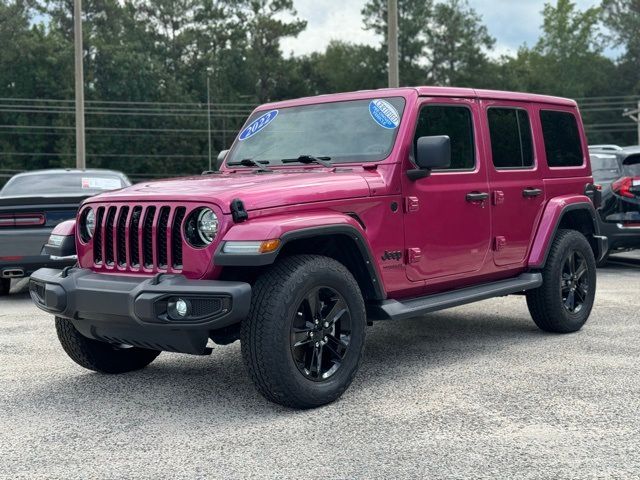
625	185
22	220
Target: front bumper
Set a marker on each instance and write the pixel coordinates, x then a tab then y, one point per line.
135	311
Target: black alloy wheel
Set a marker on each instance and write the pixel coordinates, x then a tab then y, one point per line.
320	333
574	283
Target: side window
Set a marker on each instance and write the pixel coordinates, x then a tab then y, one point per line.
455	122
511	144
561	139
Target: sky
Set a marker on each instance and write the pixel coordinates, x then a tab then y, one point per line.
510	22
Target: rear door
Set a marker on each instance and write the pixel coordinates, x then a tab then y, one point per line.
447	214
517	189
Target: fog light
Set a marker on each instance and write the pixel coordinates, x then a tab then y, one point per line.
178	308
181	307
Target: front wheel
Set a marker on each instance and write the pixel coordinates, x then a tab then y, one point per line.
564	301
100	356
303	339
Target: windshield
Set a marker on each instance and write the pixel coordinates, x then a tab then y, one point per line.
348	131
67	183
604	167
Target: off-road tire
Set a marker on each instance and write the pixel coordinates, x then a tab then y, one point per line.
5	286
265	333
545	303
100	356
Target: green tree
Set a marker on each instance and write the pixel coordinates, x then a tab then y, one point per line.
344	67
457	43
413	25
623	19
266	27
441	43
568	58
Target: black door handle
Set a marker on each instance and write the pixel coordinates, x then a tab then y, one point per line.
531	192
477	196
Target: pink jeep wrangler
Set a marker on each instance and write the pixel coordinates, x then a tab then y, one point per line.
326	214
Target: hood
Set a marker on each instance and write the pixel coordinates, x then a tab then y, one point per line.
256	190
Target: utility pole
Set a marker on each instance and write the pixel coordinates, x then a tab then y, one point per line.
209	118
77	33
392	37
635	116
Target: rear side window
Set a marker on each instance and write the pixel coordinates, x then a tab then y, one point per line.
561	139
604	168
511	144
456	123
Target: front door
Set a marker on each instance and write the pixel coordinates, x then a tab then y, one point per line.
447	214
517	187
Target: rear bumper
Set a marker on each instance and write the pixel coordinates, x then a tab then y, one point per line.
137	311
29	264
621	236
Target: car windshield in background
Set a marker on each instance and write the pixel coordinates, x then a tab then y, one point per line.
348	131
604	167
84	183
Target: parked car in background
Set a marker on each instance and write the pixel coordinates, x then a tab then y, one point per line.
618	173
604	148
32	204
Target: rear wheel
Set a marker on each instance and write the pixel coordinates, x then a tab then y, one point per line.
564	301
303	339
5	286
100	356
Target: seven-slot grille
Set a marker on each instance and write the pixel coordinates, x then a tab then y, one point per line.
139	238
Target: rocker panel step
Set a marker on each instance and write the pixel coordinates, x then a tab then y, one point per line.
403	309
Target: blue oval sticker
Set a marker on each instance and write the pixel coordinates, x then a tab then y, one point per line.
258	124
384	114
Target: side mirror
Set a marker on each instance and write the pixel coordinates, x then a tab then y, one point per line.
220	160
431	152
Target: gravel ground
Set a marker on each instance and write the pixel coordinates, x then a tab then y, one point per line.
473	392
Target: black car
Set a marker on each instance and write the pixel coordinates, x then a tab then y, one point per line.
32	204
618	173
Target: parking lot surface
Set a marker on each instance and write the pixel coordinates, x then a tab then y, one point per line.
472	392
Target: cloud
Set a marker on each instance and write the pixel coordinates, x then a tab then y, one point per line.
512	23
328	20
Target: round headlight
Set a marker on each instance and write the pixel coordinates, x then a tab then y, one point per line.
201	227
207	225
88	224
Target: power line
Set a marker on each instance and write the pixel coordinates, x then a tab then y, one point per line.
115	155
123	102
52	127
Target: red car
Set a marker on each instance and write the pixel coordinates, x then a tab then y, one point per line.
329	213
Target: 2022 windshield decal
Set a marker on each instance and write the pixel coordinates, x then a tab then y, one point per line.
258	125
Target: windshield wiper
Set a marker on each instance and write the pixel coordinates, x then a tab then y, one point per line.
307	159
250	162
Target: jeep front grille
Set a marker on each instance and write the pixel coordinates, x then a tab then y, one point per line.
138	238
